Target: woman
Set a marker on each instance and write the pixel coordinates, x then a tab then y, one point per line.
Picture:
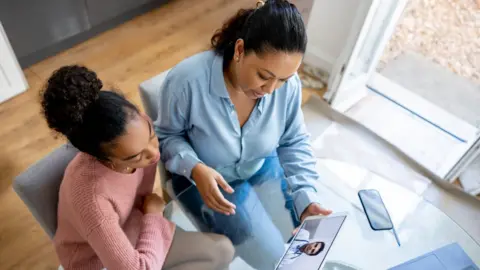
108	216
233	114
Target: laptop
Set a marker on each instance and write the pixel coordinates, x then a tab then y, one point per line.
450	257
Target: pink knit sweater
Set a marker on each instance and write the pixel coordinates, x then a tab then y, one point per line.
100	221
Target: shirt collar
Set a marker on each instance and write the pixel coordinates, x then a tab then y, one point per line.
217	81
261	103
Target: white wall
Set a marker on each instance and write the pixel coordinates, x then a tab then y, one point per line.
305	7
12	80
328	28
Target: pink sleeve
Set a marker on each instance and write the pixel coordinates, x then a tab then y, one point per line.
116	252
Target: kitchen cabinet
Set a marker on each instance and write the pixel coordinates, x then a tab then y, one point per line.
39	29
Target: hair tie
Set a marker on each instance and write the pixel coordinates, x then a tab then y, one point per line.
260	3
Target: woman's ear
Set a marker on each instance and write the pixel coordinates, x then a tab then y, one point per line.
239	51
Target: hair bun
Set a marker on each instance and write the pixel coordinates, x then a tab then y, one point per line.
68	94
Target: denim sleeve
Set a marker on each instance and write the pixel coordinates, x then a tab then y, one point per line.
296	154
171	128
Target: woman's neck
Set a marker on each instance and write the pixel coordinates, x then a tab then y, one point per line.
230	78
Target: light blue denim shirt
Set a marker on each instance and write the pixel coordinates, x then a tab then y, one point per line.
197	122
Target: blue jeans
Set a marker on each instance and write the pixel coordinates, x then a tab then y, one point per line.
260	200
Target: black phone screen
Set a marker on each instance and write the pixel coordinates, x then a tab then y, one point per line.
375	210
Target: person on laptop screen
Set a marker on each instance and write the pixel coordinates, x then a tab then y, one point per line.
302	245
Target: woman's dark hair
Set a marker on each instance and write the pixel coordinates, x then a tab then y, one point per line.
73	105
275	26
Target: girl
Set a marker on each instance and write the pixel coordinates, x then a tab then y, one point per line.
108	216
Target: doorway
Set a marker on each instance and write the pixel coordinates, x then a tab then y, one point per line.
394	101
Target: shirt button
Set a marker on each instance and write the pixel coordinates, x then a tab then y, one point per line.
184	171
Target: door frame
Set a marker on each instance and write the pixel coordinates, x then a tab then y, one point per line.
338	84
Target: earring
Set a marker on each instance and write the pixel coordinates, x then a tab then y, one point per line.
125	170
112	166
237	58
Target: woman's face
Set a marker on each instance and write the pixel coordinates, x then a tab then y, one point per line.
138	147
259	75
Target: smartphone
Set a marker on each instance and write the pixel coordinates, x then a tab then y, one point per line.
375	209
311	243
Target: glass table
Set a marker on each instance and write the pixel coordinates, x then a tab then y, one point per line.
264	223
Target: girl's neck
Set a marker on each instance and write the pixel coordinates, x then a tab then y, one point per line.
124	170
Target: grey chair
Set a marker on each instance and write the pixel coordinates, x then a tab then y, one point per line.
38	186
149	93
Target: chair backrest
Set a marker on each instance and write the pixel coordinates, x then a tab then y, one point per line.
149	92
150	95
39	185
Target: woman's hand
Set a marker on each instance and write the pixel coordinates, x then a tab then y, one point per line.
208	180
314	209
153	204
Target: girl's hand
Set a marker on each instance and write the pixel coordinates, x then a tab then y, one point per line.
153	204
208	180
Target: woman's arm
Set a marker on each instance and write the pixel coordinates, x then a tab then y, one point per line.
180	158
114	249
171	127
296	154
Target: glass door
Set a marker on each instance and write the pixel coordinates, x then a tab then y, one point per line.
372	27
436	139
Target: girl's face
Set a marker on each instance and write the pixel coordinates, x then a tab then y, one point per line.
259	75
138	147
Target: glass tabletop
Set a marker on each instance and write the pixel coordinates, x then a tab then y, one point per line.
264	220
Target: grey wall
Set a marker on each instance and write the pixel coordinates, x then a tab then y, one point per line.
39	29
